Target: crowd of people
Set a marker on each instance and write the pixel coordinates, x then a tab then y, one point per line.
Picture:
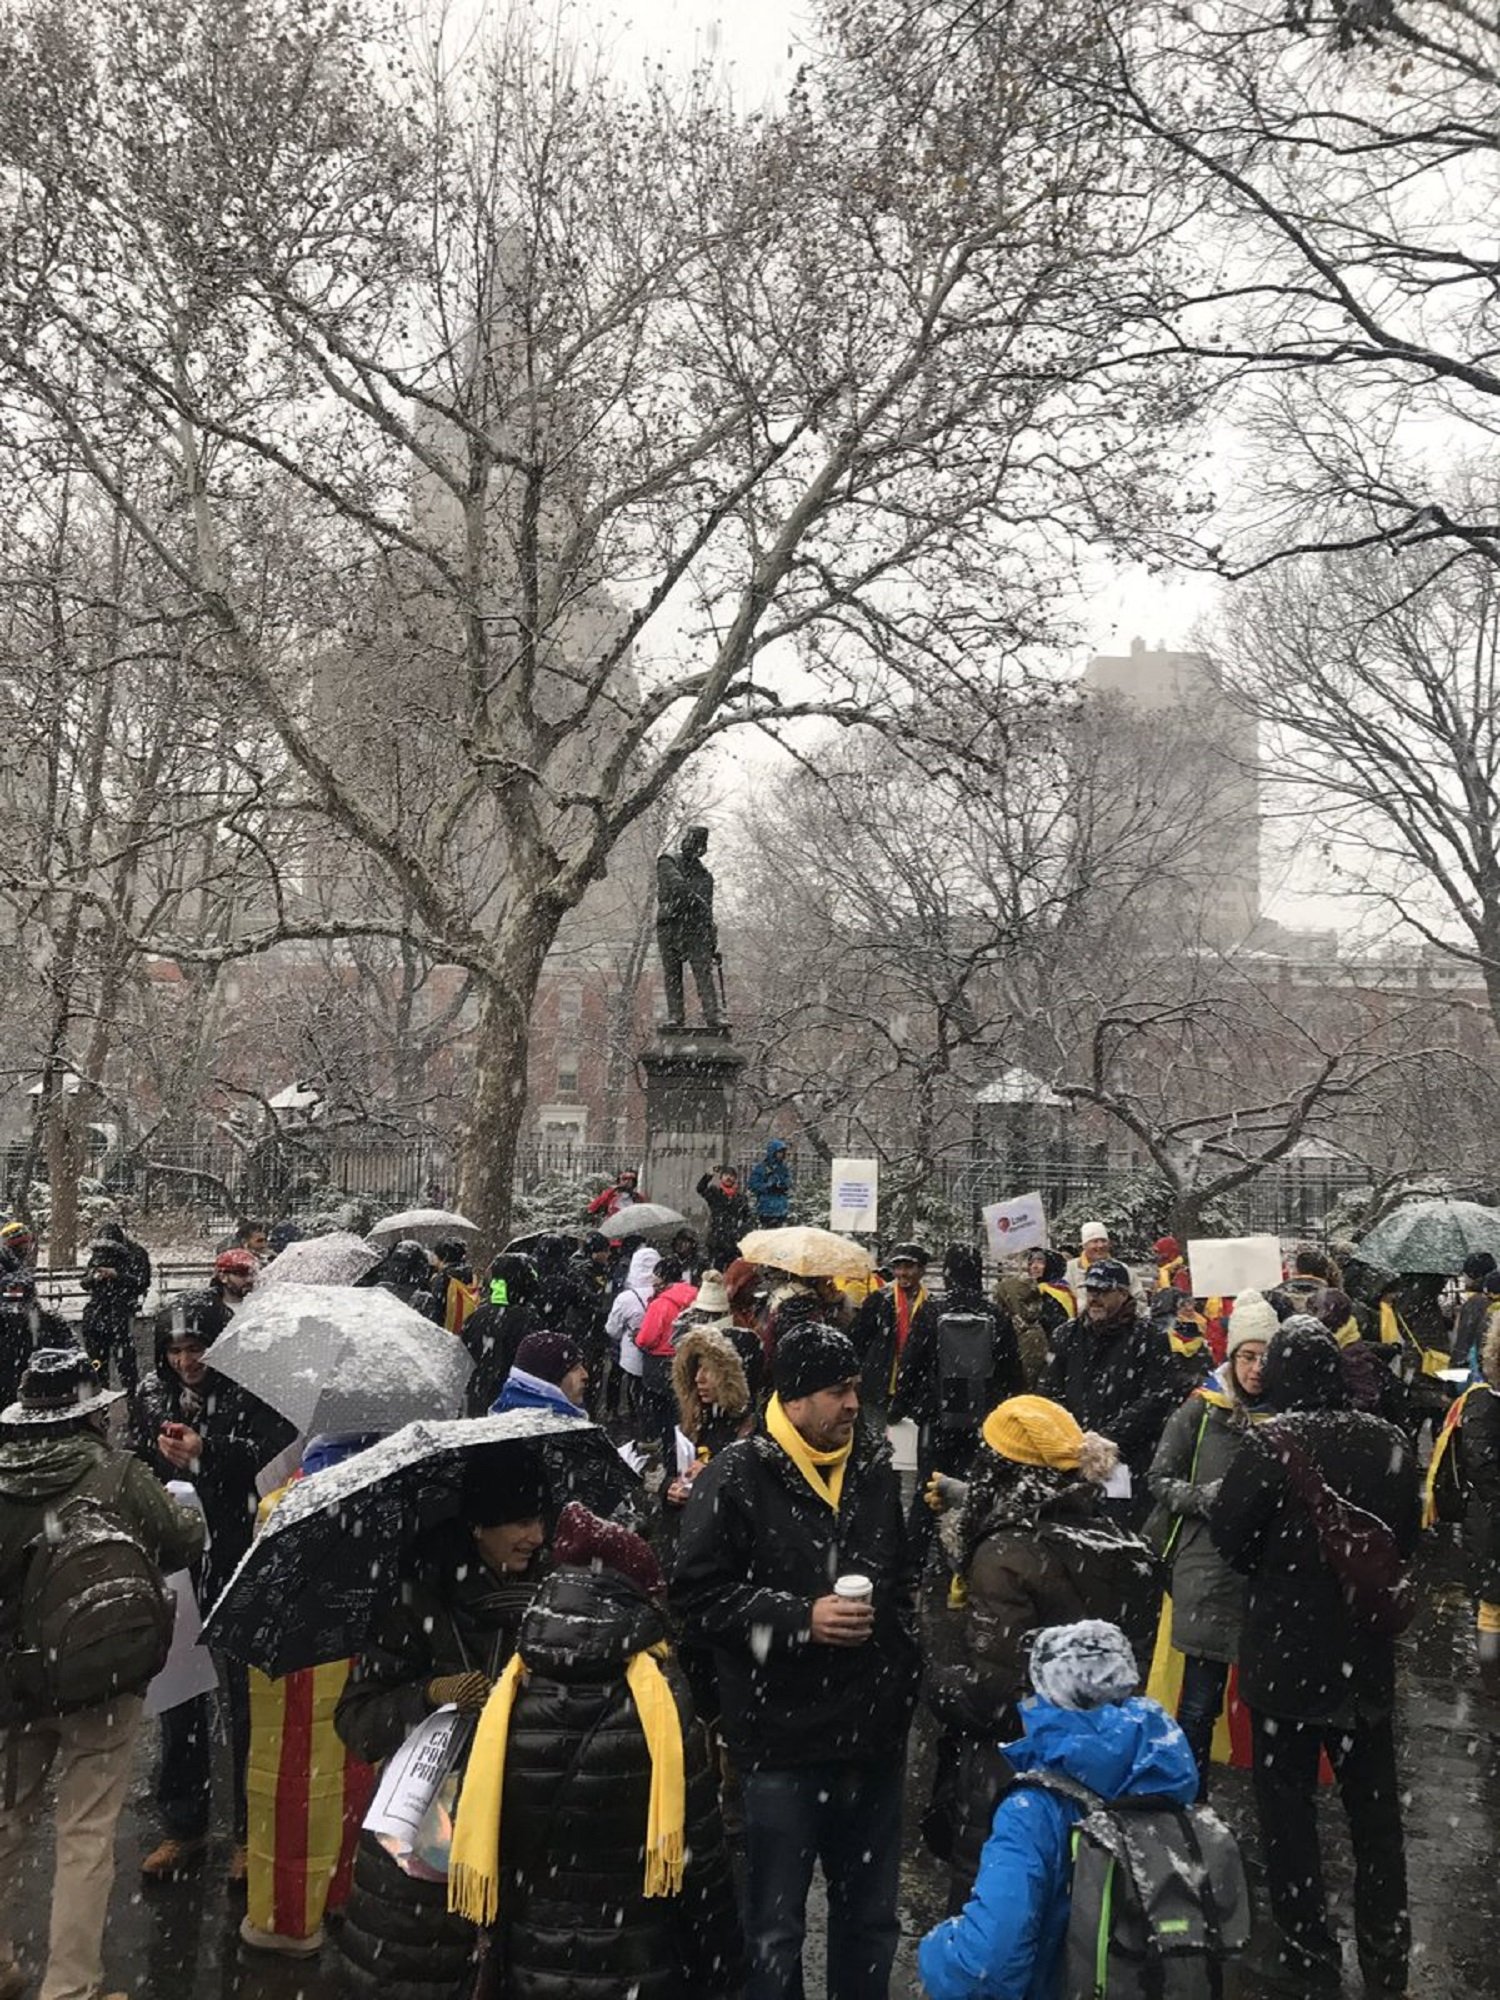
1135	1513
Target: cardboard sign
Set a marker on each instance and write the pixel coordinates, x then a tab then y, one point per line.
1225	1266
1014	1226
854	1202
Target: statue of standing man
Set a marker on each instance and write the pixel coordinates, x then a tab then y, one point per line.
685	931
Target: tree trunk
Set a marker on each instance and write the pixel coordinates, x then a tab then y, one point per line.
64	1166
497	1113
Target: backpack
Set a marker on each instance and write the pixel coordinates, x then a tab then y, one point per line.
1356	1545
1159	1898
1115	1574
87	1613
965	1360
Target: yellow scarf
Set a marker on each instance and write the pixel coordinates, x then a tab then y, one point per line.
1348	1333
807	1461
1063	1297
474	1865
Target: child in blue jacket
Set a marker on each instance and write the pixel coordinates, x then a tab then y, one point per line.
1086	1723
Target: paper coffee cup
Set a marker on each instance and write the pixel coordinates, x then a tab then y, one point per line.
858	1589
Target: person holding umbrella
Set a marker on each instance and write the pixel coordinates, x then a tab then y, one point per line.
192	1423
446	1638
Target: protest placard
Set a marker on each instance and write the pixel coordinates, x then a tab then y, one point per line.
855	1199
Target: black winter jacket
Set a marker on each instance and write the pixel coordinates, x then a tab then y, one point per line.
1479	1442
491	1335
922	1393
873	1332
21	1333
1301	1654
1121	1380
756	1548
397	1940
574	1921
240	1435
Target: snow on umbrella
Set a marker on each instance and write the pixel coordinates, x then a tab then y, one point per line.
807	1252
1431	1237
421	1225
336	1259
334	1359
332	1550
640	1218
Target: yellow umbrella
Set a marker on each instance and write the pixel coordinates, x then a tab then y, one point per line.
807	1253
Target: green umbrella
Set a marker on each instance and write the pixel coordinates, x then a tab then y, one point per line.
1431	1236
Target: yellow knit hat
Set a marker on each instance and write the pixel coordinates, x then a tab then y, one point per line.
1030	1430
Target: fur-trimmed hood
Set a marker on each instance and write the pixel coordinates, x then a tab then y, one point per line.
706	1346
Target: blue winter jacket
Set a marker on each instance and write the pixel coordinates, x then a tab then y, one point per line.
1007	1945
521	1391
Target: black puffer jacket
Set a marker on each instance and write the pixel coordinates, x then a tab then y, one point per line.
757	1546
397	1940
574	1922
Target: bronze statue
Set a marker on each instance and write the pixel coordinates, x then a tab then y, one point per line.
685	932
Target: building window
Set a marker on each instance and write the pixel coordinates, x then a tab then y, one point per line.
567	1074
569	1006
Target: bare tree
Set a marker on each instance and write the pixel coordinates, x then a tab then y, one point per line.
1379	679
552	429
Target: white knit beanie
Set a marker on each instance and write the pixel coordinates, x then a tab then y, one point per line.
1253	1318
1093	1232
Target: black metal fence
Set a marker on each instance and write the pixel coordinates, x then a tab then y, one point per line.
215	1181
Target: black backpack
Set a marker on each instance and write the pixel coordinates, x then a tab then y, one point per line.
1160	1903
965	1362
87	1615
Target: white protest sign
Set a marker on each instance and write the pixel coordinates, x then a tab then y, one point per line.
188	1669
1225	1266
1012	1226
855	1199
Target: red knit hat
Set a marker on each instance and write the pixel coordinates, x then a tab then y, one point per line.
582	1539
1165	1248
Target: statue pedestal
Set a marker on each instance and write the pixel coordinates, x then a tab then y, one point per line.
690	1078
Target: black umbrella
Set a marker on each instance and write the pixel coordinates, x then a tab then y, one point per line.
331	1551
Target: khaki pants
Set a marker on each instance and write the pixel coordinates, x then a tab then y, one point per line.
91	1751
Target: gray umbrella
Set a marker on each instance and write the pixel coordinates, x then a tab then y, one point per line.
421	1225
1432	1237
334	1359
336	1259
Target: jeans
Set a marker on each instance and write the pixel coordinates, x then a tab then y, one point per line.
184	1785
1198	1706
1286	1783
848	1816
89	1754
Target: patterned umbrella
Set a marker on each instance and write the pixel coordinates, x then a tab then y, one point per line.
332	1550
807	1252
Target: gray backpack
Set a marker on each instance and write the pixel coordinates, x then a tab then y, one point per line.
1160	1901
965	1359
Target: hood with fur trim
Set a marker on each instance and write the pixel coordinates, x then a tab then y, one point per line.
704	1346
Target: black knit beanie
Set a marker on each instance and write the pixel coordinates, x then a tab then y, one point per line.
811	1358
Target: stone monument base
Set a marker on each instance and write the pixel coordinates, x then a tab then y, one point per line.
690	1078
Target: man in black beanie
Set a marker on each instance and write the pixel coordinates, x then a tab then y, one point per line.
1316	1674
793	1570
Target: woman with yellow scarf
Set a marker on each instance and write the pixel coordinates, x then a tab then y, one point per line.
588	1839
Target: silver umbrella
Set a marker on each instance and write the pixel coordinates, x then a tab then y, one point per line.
340	1258
334	1359
421	1225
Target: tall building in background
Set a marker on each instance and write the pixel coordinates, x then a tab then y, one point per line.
1172	713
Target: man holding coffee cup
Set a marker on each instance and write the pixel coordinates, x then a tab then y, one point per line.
793	1569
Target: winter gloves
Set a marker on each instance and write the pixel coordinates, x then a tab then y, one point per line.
468	1692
